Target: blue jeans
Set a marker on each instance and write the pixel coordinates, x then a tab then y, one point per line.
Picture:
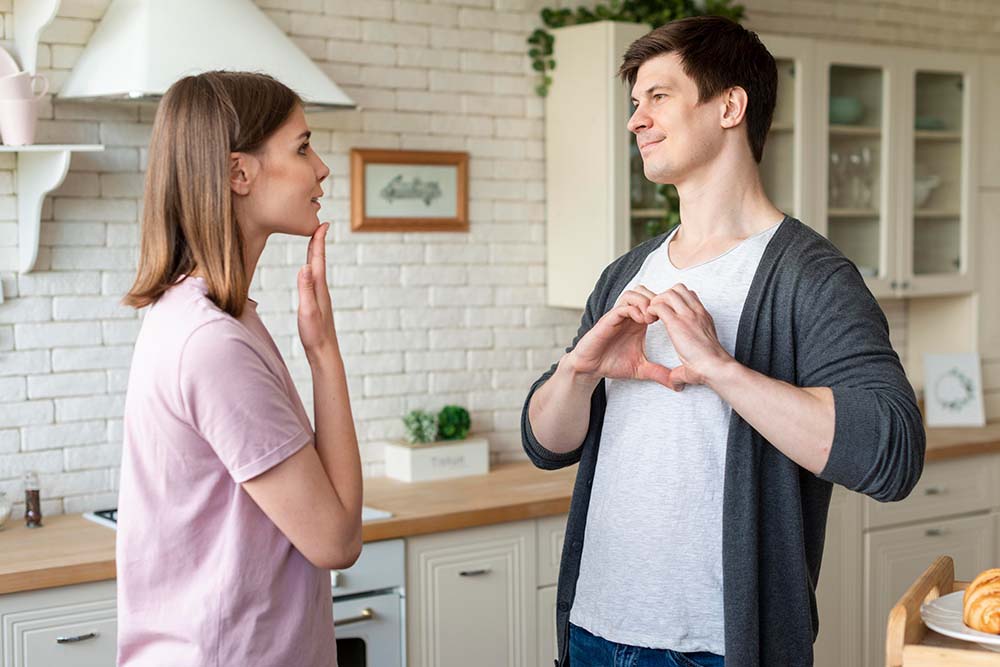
588	650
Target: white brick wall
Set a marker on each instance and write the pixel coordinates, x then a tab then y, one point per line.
424	319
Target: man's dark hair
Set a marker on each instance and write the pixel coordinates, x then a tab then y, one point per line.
717	53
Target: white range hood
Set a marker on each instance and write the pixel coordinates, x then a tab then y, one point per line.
142	46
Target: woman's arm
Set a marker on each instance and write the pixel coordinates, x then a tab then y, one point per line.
314	496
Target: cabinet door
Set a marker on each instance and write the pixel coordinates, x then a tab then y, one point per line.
551	532
547	641
936	171
895	557
838	595
472	593
857	155
69	625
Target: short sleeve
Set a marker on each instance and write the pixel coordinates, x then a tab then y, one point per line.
236	402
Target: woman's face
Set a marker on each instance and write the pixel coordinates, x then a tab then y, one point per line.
283	186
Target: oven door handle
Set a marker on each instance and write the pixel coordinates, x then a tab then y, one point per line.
366	615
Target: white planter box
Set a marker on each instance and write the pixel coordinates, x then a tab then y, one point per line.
437	460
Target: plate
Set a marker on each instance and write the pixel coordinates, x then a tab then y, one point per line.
944	615
8	65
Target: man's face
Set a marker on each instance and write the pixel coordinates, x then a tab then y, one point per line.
675	133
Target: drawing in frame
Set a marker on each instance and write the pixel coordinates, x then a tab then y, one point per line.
409	191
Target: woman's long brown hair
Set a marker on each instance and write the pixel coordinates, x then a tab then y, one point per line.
188	218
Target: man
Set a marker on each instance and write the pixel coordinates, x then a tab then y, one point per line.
724	377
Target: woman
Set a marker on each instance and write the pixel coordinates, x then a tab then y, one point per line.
231	509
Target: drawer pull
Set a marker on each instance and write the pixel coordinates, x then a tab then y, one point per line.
366	615
475	573
934	491
77	638
934	532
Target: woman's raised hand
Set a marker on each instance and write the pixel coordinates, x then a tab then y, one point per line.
316	329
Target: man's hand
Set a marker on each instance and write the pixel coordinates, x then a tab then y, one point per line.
615	346
691	330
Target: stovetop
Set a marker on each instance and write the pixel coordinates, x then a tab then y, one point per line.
109	517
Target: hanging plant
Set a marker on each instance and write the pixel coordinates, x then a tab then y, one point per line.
654	13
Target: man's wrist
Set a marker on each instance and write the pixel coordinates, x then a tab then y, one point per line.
569	369
723	374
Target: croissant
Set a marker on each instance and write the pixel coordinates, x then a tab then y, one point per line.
981	602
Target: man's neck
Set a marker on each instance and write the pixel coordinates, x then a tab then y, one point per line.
722	205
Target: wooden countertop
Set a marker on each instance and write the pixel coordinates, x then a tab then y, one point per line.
71	550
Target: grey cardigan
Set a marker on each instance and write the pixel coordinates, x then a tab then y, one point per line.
809	320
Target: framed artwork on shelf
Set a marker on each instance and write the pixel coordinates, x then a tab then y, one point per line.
409	191
953	390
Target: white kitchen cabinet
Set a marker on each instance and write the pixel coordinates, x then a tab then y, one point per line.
896	557
68	625
548	641
473	593
838	595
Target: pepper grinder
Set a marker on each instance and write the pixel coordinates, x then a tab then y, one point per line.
32	502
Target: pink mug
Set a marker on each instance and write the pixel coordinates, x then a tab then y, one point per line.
21	86
18	119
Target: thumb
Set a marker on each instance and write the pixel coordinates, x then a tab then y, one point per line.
656	373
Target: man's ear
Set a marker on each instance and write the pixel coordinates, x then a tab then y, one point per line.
734	107
243	169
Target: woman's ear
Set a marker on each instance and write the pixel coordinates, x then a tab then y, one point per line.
243	170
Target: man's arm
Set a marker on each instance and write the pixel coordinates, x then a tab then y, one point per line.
799	421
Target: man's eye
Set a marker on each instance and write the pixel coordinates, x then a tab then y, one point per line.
659	95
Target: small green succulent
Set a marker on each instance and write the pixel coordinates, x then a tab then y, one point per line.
453	423
421	426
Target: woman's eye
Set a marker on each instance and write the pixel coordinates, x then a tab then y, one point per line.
303	149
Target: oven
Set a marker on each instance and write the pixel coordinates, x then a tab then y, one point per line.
369	606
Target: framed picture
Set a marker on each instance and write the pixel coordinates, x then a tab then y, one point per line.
953	390
409	191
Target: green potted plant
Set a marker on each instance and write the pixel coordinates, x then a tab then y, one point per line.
437	446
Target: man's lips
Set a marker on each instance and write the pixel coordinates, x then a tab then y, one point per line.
648	144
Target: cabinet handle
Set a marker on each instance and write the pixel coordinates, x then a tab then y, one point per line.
366	615
475	573
77	638
934	532
933	491
893	285
906	284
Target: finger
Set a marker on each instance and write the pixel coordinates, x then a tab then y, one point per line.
663	311
673	299
679	378
655	372
641	301
626	311
318	260
689	296
645	291
307	292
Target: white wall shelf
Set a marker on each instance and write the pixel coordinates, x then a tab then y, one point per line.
41	168
30	16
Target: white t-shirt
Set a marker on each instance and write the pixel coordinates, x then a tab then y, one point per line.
651	569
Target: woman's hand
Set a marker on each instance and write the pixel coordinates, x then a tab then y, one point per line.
316	328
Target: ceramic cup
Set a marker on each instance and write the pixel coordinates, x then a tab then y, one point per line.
18	119
22	86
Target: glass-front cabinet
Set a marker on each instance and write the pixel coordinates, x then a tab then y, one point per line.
894	165
937	99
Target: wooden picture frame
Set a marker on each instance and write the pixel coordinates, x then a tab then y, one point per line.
409	191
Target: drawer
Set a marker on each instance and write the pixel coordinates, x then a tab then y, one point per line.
380	565
551	531
946	488
71	625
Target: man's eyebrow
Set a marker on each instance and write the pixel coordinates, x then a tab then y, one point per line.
656	86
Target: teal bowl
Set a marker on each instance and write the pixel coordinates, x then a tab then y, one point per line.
846	110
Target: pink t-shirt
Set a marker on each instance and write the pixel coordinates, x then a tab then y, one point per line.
204	576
